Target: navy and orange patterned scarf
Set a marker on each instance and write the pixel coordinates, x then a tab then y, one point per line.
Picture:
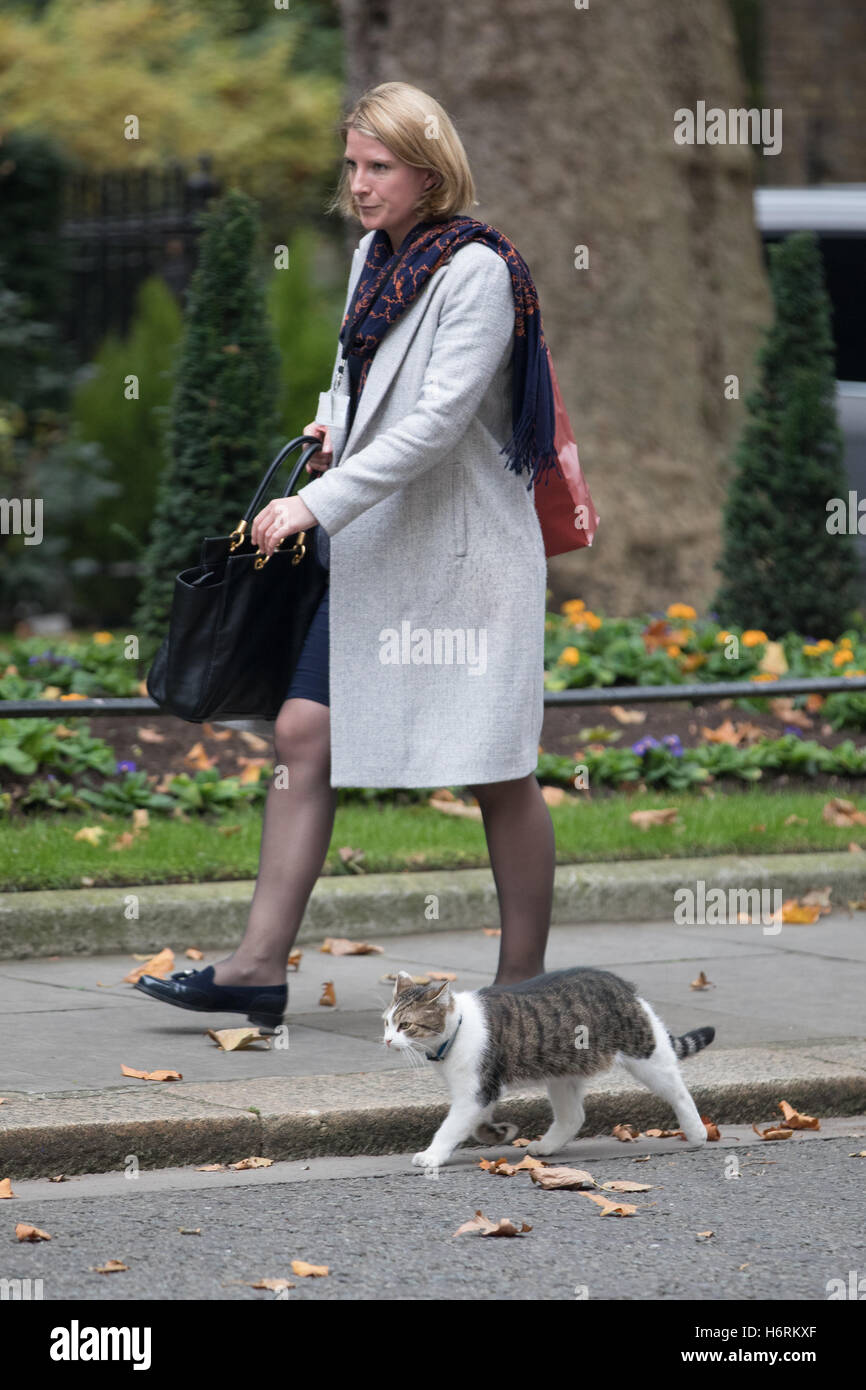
389	282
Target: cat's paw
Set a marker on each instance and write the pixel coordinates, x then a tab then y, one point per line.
428	1158
697	1138
539	1149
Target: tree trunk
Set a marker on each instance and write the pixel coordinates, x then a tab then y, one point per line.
567	116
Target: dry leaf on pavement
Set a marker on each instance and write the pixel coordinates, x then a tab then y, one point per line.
609	1208
712	1129
665	1134
25	1232
194	953
161	964
562	1177
794	1120
626	1133
702	982
305	1271
294	961
502	1165
795	910
6	1188
232	1039
328	995
274	1284
480	1225
110	1267
244	1163
211	1168
151	1075
775	1132
622	1185
342	946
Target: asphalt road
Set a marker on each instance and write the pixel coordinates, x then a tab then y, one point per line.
791	1222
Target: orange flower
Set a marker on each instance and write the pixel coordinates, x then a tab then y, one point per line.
673	649
764	676
680	610
572	605
692	661
569	656
587	619
102	637
73	696
839	658
753	636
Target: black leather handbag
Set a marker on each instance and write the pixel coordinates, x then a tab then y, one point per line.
239	619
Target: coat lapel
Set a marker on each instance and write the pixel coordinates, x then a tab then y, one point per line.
385	365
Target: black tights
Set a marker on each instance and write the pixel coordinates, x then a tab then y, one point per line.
296	833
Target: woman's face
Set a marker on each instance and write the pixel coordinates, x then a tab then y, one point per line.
385	191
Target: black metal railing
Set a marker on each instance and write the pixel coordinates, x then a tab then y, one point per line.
585	695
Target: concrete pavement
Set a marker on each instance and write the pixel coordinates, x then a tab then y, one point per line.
787	1008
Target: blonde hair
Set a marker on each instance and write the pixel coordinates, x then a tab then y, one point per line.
418	131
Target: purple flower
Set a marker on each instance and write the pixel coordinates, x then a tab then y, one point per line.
49	777
126	767
32	660
643	744
792	729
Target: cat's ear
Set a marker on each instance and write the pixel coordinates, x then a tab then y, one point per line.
440	995
402	983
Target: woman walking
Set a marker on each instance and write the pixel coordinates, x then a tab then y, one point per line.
426	669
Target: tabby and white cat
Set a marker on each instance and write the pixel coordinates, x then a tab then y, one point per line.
562	1028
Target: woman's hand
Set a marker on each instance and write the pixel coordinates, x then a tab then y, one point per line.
325	457
280	518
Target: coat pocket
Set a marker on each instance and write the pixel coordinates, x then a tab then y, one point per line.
458	508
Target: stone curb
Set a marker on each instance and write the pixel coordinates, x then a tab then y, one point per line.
97	921
170	1125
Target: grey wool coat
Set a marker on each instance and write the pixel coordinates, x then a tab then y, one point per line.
438	572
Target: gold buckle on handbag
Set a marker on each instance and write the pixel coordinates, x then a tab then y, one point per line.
299	550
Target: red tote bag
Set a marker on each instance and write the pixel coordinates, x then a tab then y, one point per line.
563	505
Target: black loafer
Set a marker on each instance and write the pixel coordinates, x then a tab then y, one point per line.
195	989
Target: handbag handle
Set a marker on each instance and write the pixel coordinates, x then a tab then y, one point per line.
237	535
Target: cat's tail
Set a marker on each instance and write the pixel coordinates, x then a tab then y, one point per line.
692	1042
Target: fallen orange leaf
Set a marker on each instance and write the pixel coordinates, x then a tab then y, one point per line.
274	1284
328	995
6	1188
773	1133
151	1075
626	1133
294	961
342	946
161	964
793	1120
25	1232
564	1177
253	1162
702	982
110	1267
305	1271
483	1227
609	1208
712	1129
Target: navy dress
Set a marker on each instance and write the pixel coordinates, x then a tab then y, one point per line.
310	680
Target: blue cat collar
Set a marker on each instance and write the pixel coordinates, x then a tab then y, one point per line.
438	1055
